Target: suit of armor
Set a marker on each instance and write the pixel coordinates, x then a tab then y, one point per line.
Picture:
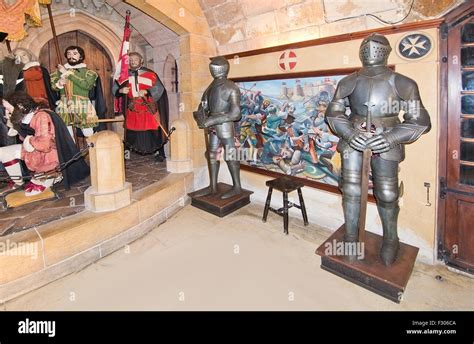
383	92
219	109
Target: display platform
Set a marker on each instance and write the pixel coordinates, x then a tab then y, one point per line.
220	207
370	272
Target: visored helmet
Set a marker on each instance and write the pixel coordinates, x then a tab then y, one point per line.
374	50
219	67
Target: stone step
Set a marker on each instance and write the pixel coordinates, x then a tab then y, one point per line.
41	255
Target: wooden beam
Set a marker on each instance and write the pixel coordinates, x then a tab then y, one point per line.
425	24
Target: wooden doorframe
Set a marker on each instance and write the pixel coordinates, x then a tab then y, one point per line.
450	21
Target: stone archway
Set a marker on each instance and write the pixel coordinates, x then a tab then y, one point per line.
102	33
196	45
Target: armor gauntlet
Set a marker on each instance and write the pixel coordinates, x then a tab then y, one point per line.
231	116
416	122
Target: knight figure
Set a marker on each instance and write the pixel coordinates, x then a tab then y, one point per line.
219	109
378	90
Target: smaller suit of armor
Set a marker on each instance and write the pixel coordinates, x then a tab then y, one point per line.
219	109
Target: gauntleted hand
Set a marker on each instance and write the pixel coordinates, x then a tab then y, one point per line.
199	118
358	141
379	144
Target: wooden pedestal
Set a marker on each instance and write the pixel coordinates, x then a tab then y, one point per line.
18	198
220	207
370	272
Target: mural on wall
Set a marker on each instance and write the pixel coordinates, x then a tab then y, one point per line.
283	129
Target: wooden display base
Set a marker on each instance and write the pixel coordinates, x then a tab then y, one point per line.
18	198
370	272
220	207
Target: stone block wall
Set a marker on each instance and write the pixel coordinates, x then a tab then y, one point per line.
241	25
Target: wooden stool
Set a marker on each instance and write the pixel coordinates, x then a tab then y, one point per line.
285	185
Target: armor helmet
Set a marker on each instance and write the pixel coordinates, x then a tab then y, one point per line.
219	67
374	50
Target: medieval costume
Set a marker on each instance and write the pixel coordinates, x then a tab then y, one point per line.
46	144
34	79
147	108
80	83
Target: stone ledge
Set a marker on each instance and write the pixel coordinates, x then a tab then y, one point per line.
68	245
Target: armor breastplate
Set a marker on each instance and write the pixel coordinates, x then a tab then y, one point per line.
218	96
380	91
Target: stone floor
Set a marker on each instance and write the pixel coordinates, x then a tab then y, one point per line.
141	171
197	261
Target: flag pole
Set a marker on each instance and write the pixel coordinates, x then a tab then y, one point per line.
9	47
67	91
125	102
121	74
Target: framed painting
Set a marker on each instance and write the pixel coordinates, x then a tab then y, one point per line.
283	130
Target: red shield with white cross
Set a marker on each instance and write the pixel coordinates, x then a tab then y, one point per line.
287	60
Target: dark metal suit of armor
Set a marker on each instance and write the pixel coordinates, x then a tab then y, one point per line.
219	109
383	92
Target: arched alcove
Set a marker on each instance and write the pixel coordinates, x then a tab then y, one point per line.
170	73
106	36
96	58
196	45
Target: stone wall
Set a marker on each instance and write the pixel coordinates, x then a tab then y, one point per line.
241	25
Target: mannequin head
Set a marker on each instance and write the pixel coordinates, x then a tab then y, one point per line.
22	56
74	55
135	60
21	104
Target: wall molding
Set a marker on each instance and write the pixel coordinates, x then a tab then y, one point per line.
425	24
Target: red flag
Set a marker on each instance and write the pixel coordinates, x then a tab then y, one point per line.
121	71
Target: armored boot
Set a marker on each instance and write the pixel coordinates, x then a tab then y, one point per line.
350	185
351	209
234	168
390	245
212	188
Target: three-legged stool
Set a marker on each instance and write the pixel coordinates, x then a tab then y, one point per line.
285	185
